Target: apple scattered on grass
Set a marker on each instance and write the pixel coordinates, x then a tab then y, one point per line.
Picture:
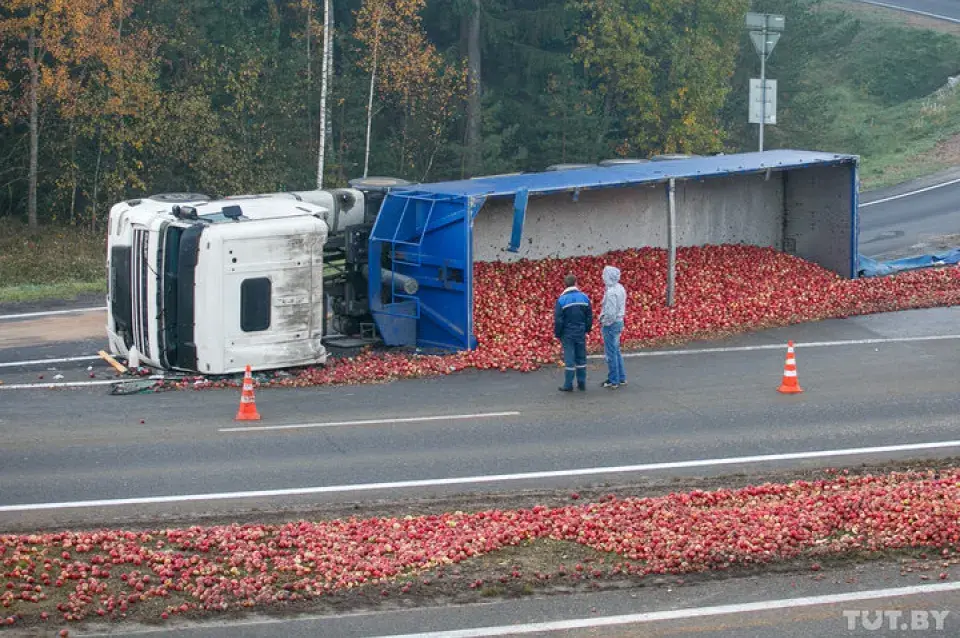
107	572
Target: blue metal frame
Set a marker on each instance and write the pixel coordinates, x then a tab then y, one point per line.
622	175
425	231
427	236
519	214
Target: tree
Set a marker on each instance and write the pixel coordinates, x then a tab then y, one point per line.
369	30
34	70
325	84
524	50
76	64
412	76
21	22
471	28
234	118
664	66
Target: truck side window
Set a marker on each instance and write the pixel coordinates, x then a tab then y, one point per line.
255	304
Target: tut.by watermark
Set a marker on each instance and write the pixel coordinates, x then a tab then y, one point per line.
895	619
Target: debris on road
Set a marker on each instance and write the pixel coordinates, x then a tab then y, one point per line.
154	383
119	367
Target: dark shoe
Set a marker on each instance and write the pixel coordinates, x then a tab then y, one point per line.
607	384
582	388
563	389
623	382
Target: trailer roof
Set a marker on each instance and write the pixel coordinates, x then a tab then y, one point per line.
628	174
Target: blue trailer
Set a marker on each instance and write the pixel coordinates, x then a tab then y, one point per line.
802	202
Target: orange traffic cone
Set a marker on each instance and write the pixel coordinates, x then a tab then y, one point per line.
248	406
790	385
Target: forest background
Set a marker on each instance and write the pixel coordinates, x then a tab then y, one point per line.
102	100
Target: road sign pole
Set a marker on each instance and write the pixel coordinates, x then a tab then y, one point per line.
763	90
765	30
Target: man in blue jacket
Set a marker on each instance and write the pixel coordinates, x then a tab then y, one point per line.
572	320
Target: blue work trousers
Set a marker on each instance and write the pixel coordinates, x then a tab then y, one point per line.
574	361
616	373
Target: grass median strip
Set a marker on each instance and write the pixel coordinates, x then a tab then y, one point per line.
207	571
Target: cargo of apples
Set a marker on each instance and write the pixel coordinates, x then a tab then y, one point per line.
720	291
110	573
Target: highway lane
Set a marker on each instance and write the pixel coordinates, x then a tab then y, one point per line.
948	9
918	224
83	444
921	223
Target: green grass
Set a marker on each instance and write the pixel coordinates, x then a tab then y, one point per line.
858	81
889	101
897	143
54	262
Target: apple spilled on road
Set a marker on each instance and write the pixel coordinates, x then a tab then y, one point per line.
720	291
120	574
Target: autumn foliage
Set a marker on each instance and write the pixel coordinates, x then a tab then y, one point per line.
86	64
406	68
668	107
106	100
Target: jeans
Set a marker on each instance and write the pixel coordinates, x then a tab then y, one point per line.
574	361
616	373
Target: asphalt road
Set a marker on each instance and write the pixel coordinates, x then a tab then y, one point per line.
918	224
933	8
83	444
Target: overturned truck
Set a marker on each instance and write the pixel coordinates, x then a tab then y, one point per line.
277	280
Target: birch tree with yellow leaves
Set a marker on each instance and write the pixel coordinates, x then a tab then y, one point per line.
75	69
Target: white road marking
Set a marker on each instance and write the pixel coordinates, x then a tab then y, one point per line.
53	386
626	355
40	362
335	424
908	10
777	346
50	313
920	190
689	612
488	478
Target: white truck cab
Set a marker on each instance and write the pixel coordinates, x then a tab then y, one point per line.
215	285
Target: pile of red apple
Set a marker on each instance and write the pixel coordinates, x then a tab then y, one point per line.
108	572
720	290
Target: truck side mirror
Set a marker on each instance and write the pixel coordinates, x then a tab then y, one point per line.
184	212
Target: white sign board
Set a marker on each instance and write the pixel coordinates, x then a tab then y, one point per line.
756	102
768	21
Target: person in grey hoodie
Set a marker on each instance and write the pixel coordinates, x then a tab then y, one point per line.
612	313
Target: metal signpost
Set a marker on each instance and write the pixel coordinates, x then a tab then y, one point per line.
765	30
